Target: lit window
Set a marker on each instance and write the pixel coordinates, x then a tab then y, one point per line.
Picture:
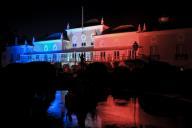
37	57
83	38
45	48
102	55
74	39
116	54
45	58
54	57
54	47
181	52
18	57
154	52
29	57
83	44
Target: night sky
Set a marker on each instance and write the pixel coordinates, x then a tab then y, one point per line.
35	17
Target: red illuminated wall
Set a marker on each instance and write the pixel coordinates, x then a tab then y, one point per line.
168	44
172	46
109	43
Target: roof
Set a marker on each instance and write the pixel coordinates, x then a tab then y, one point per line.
53	36
121	28
91	22
20	40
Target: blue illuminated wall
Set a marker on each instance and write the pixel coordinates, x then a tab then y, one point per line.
52	48
48	45
13	53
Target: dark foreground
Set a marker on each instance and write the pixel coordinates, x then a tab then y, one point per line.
157	89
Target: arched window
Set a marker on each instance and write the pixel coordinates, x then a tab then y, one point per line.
45	48
74	41
83	38
54	47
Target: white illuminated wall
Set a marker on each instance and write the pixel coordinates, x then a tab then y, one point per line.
86	34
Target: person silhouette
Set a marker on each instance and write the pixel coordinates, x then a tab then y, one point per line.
82	62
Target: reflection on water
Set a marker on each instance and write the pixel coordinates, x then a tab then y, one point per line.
115	113
119	112
58	110
57	107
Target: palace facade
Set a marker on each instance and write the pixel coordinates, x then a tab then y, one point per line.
104	44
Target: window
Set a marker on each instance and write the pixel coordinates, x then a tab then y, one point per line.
55	47
74	45
37	57
63	57
92	43
116	54
83	44
74	55
102	55
154	52
18	57
74	39
45	48
45	58
54	57
181	52
83	38
29	57
91	55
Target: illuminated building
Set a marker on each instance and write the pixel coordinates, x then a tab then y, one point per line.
172	46
62	48
101	43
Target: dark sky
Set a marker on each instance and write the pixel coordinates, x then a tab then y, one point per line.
37	17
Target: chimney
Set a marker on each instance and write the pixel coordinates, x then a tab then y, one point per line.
68	27
144	28
102	21
61	36
33	40
139	28
25	42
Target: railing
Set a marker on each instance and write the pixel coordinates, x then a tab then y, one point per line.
110	59
95	58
